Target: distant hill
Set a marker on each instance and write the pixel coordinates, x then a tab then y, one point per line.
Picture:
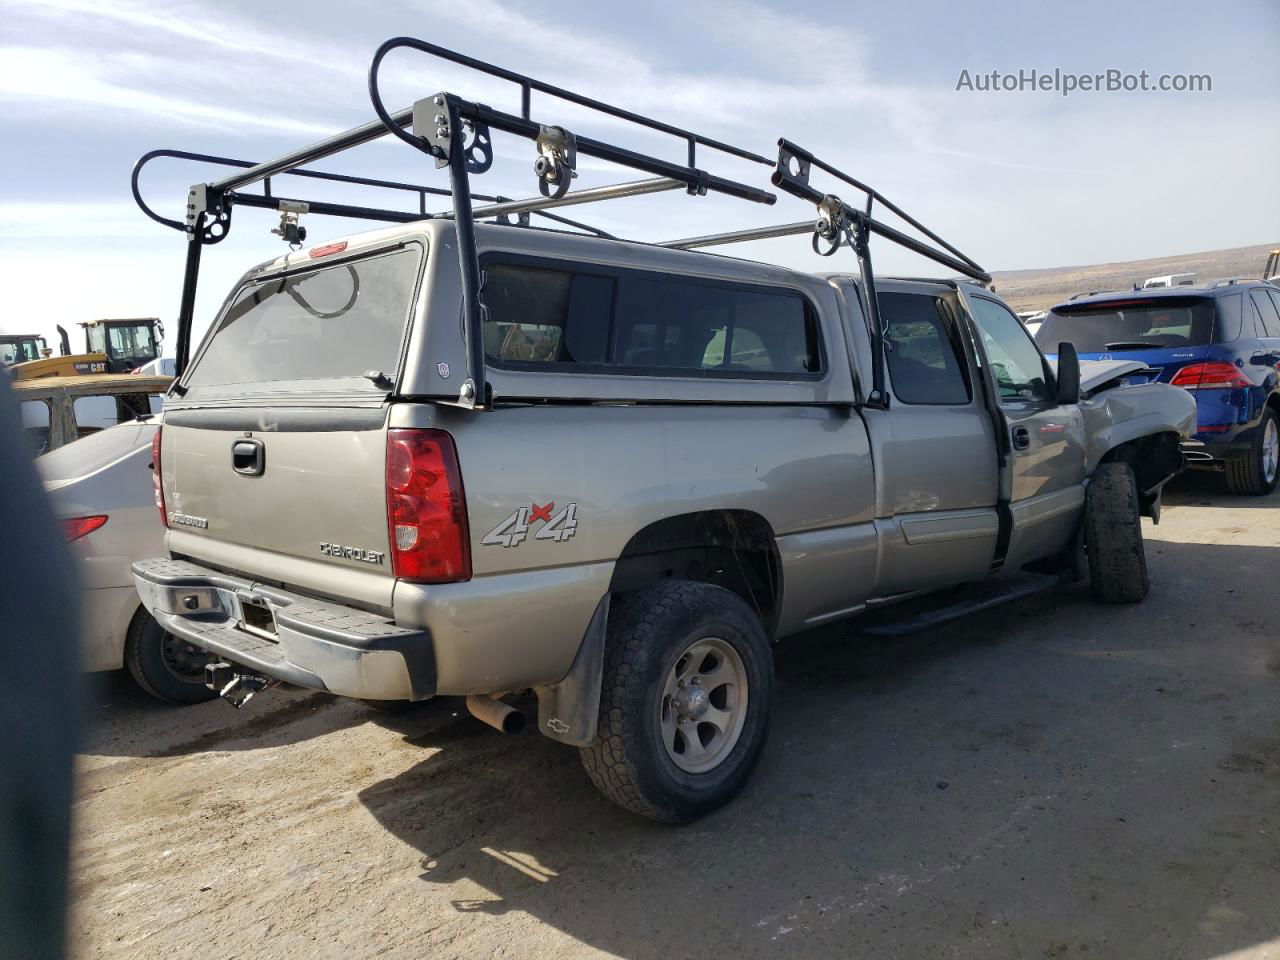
1041	289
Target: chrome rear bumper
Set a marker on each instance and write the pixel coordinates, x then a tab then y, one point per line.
301	640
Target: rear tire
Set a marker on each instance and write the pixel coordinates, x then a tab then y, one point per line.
684	703
1113	536
1255	474
169	669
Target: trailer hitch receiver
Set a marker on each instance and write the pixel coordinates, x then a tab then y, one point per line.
233	683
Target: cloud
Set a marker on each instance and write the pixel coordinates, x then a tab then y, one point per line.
26	221
191	23
63	76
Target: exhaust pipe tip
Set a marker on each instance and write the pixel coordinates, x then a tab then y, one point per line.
501	716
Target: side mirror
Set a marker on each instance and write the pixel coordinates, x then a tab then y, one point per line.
1068	374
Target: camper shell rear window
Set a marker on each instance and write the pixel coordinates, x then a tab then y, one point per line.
331	322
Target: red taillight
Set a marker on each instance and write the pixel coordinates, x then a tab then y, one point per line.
77	527
426	510
157	489
1210	376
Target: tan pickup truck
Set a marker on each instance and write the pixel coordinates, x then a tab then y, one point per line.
677	459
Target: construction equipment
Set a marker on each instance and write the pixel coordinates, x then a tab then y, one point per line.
1272	270
111	346
18	348
127	343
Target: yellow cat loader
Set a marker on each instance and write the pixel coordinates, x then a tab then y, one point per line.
18	348
111	346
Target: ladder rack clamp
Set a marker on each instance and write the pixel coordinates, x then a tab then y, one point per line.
557	163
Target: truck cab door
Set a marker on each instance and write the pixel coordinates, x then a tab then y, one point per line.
934	448
1043	472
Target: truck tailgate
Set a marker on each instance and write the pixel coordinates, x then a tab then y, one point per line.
304	508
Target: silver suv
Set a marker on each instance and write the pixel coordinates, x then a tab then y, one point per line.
675	460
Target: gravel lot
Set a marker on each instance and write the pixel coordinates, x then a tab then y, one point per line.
1049	779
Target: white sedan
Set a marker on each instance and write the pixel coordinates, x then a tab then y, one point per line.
100	489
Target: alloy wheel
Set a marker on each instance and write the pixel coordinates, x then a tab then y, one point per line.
1270	451
704	705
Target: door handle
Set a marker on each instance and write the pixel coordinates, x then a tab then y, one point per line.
248	457
1021	438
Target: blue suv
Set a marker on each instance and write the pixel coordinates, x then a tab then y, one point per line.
1221	342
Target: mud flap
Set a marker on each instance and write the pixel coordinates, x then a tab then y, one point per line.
569	710
1151	504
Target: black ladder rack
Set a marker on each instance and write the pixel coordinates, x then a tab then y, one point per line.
839	221
456	134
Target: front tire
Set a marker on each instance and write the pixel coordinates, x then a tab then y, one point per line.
1113	536
166	667
1255	474
684	703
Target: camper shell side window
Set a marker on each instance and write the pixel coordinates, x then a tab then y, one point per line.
565	317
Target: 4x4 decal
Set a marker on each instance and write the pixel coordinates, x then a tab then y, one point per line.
512	531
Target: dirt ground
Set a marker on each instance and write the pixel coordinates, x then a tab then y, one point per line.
1048	779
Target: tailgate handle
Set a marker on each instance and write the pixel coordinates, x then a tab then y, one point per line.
248	457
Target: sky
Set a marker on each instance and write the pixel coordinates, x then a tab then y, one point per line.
1016	180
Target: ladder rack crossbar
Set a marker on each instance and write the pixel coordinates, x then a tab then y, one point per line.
634	188
741	236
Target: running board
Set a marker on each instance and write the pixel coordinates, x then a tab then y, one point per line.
977	596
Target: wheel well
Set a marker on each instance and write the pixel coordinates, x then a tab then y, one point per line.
1154	458
735	549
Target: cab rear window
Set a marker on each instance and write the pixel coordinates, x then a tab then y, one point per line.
630	322
925	364
336	321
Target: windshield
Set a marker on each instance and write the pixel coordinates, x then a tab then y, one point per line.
132	342
96	338
1115	327
338	321
19	349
